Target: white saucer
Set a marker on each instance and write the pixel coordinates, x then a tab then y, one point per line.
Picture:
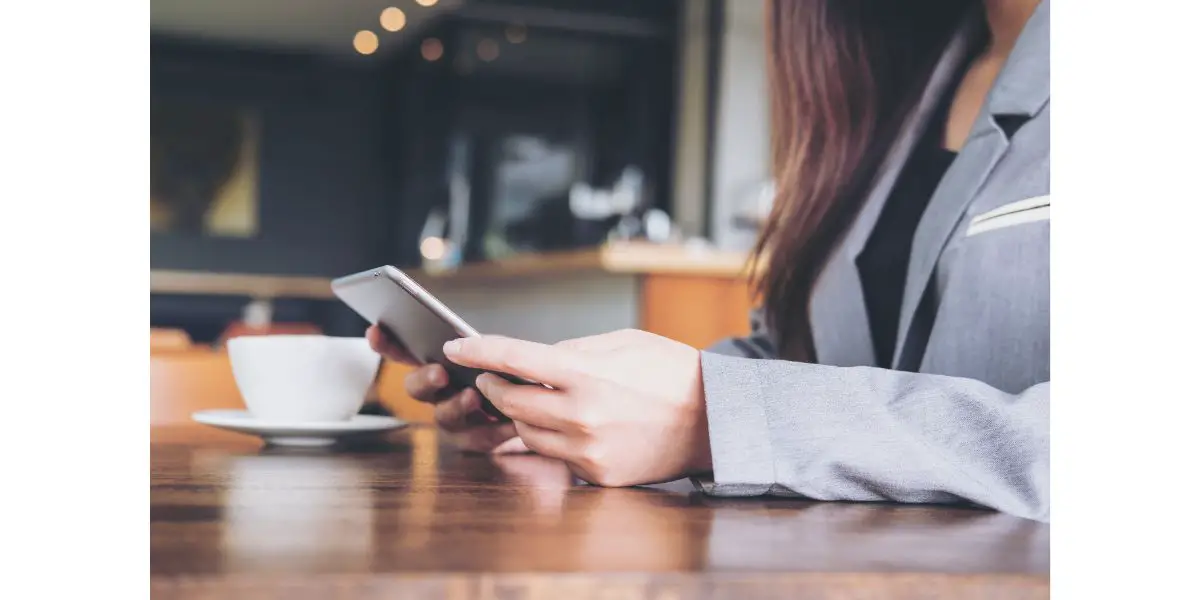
297	434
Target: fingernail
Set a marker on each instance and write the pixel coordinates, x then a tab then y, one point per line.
434	377
452	347
483	382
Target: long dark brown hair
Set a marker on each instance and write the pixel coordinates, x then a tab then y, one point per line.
842	74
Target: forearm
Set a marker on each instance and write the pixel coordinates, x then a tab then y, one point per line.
834	433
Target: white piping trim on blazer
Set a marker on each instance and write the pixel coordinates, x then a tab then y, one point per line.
1029	210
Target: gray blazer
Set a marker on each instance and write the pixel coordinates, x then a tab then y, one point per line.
962	413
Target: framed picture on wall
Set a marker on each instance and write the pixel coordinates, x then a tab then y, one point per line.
204	166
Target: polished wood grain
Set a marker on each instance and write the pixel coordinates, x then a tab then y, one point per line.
406	517
696	310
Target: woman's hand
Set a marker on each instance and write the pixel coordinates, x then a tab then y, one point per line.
459	414
627	407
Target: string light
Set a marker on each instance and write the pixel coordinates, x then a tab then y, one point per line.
431	49
393	19
433	248
488	50
366	42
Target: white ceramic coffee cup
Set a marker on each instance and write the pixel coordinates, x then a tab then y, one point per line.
303	378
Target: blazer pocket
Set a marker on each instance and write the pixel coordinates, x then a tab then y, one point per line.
1029	210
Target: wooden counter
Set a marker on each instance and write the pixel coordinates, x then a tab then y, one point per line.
695	295
266	287
629	258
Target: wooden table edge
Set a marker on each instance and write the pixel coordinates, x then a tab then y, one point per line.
465	585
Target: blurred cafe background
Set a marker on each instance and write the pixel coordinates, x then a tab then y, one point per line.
549	168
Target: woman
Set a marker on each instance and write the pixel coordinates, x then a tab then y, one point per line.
902	348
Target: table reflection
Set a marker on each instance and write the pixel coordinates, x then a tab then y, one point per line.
611	529
297	511
410	507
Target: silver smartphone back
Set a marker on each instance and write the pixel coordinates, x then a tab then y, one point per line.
415	319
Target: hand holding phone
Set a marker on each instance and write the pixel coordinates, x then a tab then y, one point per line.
426	383
459	412
417	322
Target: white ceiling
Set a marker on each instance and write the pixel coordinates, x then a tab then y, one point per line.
317	25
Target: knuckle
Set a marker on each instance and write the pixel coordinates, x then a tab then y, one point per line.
587	420
447	425
417	386
515	411
444	413
504	399
593	460
518	406
592	456
534	444
451	415
413	385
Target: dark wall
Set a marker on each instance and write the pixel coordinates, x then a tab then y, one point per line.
353	152
324	176
326	195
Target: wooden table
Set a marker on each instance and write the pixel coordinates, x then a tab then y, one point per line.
405	518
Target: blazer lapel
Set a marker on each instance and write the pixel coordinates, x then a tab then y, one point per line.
1020	91
841	330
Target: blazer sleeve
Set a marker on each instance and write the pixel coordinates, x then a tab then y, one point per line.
759	344
870	434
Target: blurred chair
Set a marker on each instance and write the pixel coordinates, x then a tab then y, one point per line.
186	381
241	328
165	339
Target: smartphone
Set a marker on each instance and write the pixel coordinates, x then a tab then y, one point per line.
415	319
